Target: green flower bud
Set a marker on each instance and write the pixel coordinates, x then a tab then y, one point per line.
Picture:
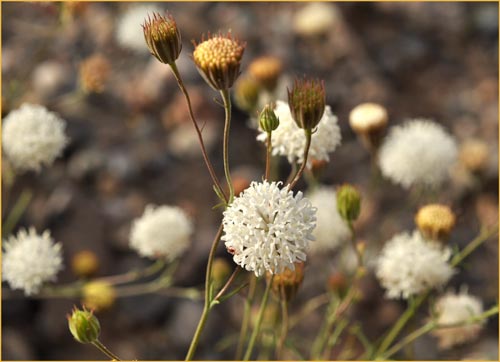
84	326
348	202
163	38
307	102
268	120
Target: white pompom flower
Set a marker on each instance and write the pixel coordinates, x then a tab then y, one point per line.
408	265
161	232
418	152
32	137
29	260
454	308
129	33
268	229
331	230
289	140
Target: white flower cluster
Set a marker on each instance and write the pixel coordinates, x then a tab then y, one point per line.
161	232
408	265
331	230
30	259
129	33
289	140
268	228
418	152
457	308
32	136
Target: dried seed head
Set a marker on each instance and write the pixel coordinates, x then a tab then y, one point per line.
246	93
348	202
307	102
266	70
286	284
435	221
94	72
368	121
84	326
268	120
218	60
162	37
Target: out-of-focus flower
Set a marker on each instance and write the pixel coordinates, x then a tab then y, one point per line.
286	284
84	263
32	136
408	265
218	60
161	232
454	308
315	19
246	93
348	202
435	221
29	260
98	295
163	38
474	155
266	71
268	229
94	72
368	121
331	230
289	140
417	152
129	33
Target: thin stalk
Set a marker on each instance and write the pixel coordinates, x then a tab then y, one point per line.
359	257
293	171
296	179
105	350
228	283
209	165
260	316
206	307
133	275
309	307
17	211
284	325
268	156
474	244
227	126
246	317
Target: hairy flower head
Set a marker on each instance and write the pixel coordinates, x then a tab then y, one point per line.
307	102
162	37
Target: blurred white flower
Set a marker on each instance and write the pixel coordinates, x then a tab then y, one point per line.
30	259
32	136
161	232
457	308
315	19
289	140
268	229
408	265
418	152
331	230
129	33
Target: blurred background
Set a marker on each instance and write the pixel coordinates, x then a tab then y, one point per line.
131	144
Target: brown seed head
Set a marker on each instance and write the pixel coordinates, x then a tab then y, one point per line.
435	221
94	72
287	283
266	70
218	60
307	102
162	37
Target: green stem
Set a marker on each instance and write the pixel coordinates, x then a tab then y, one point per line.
353	244
296	179
284	325
105	350
17	211
133	275
260	316
210	168
246	317
484	235
208	301
268	156
227	125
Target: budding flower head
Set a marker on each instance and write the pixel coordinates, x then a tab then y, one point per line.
218	60
435	221
162	37
287	283
84	326
266	70
348	202
246	93
307	102
268	120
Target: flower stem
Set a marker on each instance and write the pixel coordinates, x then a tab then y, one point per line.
246	317
268	156
284	325
260	316
359	257
209	165
17	211
227	125
105	350
296	179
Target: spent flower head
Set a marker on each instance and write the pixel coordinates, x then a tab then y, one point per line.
218	60
162	37
307	102
268	229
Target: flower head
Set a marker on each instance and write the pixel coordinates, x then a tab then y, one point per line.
94	72
307	102
162	37
161	232
417	152
368	121
331	230
268	228
287	283
408	265
128	29
218	60
457	308
289	140
84	326
266	70
475	155
32	136
435	221
30	259
246	93
98	295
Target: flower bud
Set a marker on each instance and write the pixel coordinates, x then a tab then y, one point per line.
84	264
307	102
163	38
268	120
266	70
435	221
246	93
287	283
98	295
368	121
84	326
348	202
218	60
